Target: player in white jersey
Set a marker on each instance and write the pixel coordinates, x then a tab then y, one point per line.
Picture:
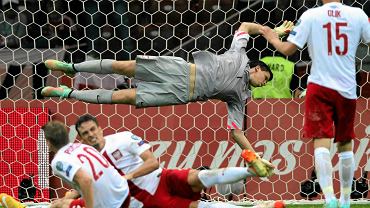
150	185
86	170
332	33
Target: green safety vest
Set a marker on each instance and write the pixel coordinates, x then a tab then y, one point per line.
279	86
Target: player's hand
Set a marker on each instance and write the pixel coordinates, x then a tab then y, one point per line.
284	28
269	167
260	167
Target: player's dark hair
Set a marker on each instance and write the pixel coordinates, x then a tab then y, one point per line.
56	133
83	119
264	67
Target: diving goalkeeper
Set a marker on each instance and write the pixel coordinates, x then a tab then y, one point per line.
171	80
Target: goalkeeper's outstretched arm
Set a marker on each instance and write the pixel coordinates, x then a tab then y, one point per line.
286	48
256	29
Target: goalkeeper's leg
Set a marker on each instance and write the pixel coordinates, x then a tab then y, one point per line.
104	66
10	202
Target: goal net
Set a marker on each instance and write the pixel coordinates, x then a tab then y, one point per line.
184	136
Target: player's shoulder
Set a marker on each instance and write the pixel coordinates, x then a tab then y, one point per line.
309	14
121	138
359	12
119	135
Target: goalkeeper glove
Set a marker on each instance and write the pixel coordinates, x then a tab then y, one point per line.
284	28
258	165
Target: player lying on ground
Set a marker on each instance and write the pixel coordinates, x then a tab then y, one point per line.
150	185
10	202
171	80
86	170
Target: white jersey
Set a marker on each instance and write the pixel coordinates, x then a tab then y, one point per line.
110	189
123	150
332	33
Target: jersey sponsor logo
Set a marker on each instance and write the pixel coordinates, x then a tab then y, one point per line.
117	154
293	32
59	166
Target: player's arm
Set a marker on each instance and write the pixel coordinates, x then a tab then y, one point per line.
260	166
255	29
286	48
240	139
72	194
85	182
250	28
150	164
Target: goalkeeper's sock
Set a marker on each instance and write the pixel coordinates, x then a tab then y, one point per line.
103	66
346	172
9	202
223	176
206	204
324	172
99	96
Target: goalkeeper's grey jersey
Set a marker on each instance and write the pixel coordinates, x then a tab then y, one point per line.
225	77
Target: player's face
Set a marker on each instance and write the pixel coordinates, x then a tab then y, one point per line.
91	134
258	78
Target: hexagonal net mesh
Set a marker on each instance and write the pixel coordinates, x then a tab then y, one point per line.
186	136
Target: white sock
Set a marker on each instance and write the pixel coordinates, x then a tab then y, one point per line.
346	172
224	175
324	172
206	204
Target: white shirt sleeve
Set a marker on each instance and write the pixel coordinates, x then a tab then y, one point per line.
240	40
299	35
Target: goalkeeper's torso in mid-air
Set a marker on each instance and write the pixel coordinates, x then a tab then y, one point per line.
225	77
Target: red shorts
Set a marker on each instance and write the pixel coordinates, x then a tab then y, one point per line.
325	107
173	191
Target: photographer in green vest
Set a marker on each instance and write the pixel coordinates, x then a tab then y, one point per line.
282	85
